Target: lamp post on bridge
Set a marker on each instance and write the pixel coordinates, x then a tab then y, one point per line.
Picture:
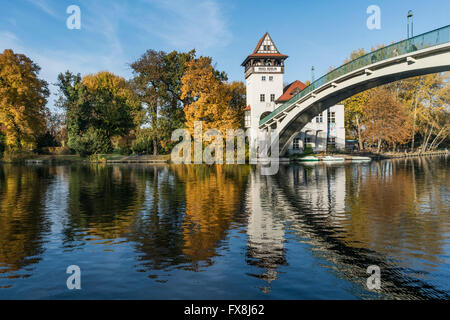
409	18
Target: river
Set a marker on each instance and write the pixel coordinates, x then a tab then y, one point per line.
226	232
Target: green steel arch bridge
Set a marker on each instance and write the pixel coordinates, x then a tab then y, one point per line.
423	54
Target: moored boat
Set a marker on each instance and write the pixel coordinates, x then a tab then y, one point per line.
358	158
308	158
330	158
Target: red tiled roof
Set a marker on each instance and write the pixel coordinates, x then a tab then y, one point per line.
247	108
290	90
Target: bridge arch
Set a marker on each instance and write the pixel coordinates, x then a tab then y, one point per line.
423	54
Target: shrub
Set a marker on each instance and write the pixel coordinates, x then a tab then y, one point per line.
143	142
93	141
44	142
125	150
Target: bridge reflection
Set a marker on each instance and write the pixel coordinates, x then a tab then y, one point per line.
351	215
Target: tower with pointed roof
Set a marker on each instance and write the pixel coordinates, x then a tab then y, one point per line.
264	69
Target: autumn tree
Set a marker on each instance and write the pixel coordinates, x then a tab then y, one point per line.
433	117
353	106
157	82
238	100
210	97
23	97
386	119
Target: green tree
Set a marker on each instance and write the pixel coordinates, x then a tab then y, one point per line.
98	107
157	82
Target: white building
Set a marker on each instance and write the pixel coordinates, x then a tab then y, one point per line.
264	69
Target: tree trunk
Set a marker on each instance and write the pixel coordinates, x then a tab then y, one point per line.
424	140
414	124
435	138
428	138
155	146
361	146
442	140
379	145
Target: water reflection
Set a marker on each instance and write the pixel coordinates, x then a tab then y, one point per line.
361	215
174	222
265	247
214	200
23	222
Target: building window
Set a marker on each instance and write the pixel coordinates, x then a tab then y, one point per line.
272	97
319	118
247	119
308	139
270	78
332	142
262	97
296	144
331	117
263	78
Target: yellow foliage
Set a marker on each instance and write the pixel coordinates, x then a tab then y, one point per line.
105	80
209	98
23	97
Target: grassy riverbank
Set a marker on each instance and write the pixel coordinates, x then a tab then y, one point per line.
393	155
372	155
101	158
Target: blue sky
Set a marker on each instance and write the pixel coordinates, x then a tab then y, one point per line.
116	32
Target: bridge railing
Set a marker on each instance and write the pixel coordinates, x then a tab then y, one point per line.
422	41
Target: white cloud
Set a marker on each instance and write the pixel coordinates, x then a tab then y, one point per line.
44	6
184	24
180	23
7	39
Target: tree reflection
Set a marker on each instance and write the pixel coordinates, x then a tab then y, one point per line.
23	222
214	199
377	220
103	201
172	215
385	202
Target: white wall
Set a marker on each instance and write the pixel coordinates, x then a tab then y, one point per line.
318	131
255	86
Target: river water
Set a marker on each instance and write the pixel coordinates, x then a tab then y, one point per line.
226	232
